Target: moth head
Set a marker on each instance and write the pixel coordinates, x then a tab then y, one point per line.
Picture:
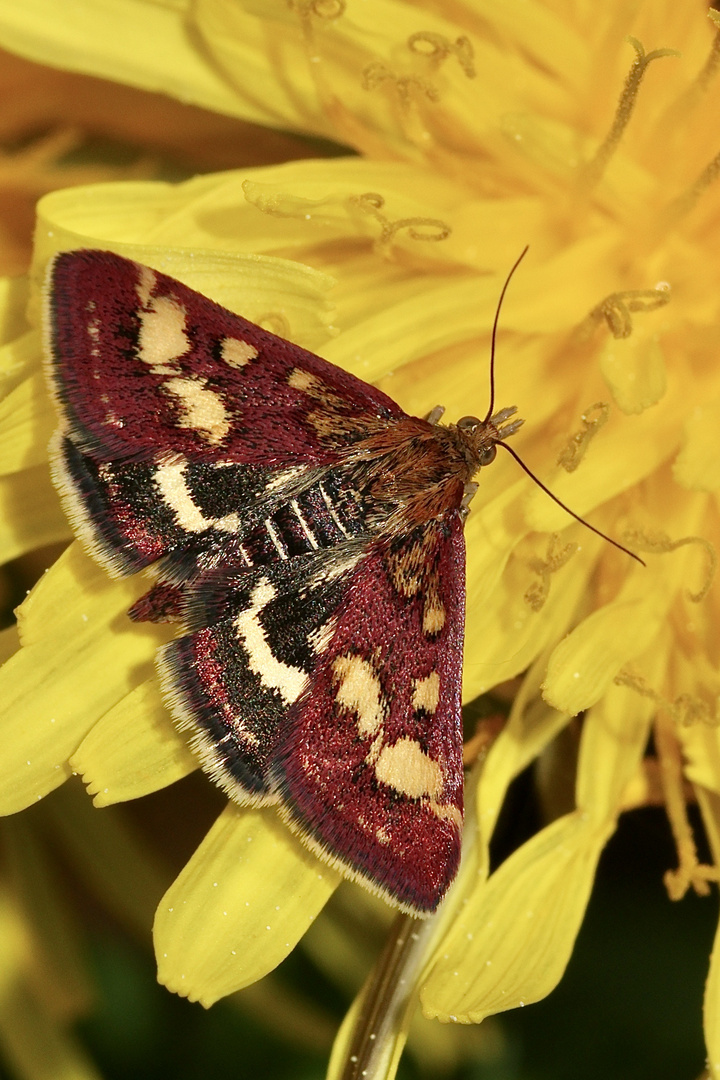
482	436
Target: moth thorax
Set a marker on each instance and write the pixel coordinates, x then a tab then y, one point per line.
482	436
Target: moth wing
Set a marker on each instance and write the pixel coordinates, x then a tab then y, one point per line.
336	691
143	366
369	768
183	422
255	640
132	514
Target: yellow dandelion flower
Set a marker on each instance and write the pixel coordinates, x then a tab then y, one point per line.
586	133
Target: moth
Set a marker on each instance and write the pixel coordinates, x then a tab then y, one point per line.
307	536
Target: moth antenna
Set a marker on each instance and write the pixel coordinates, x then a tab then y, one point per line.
496	320
509	449
572	513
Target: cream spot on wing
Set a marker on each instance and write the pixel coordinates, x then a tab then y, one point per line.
358	689
172	487
407	768
426	693
338	567
300	379
446	812
237	353
320	638
313	386
433	616
203	410
274	674
304	524
162	337
145	285
282	479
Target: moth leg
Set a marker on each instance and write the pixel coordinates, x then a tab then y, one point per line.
468	495
435	414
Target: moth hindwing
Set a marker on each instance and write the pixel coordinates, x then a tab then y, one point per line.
305	534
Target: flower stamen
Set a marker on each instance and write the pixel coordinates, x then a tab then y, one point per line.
627	676
615	309
371	204
689	710
306	10
321	9
556	557
592	420
690	872
659	543
437	47
685	202
405	85
685	710
671	126
593	170
712	64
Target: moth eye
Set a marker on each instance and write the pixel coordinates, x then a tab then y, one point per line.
468	423
488	455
